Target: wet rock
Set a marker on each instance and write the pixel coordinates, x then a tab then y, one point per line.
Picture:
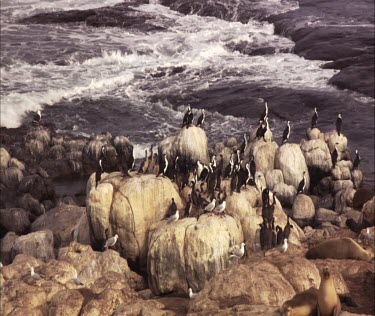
71	16
39	188
368	211
182	146
285	193
15	220
4	158
361	196
264	155
303	210
290	160
11	177
39	134
62	221
192	250
38	245
129	208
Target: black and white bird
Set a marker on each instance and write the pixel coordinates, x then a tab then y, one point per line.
264	129
37	117
188	207
111	241
185	119
75	278
34	275
314	119
335	155
98	173
253	168
265	113
173	207
211	206
248	171
302	184
174	217
286	133
244	144
163	168
357	160
201	119
192	295
287	229
230	167
339	124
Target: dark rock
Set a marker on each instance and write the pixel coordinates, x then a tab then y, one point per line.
28	203
6	246
40	188
59	17
15	220
361	196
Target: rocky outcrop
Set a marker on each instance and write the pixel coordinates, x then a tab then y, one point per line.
323	215
38	187
62	221
264	155
190	144
303	210
15	220
285	193
11	177
188	253
38	245
128	207
274	177
290	160
6	246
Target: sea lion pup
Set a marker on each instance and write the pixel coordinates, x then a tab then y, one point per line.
328	301
302	304
339	248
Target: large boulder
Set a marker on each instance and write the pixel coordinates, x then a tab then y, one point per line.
39	188
14	162
331	138
368	211
15	220
264	155
190	144
285	193
11	177
317	157
62	221
324	215
303	210
290	160
29	204
4	158
38	245
6	246
66	302
274	177
189	252
128	207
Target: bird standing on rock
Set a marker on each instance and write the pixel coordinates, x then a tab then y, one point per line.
201	119
302	184
98	173
210	207
335	155
174	217
286	133
265	113
37	118
34	275
111	241
357	160
192	295
75	278
188	207
145	163
219	210
238	253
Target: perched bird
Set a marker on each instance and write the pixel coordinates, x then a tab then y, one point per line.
173	207
75	278
145	163
314	119
287	229
230	167
98	173
244	144
279	235
185	119
201	118
238	252
357	160
211	206
111	241
286	133
367	237
220	208
339	124
174	217
284	247
199	169
192	295
335	155
34	275
302	184
163	166
37	117
265	113
188	207
253	168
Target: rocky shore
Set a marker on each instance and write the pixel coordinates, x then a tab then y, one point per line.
154	262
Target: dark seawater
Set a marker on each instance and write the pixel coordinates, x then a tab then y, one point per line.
138	82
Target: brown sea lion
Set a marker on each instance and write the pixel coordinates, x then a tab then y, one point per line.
328	301
302	304
339	248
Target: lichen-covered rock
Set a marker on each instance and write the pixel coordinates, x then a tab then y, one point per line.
317	156
290	160
285	193
303	210
39	134
15	220
274	177
368	211
4	158
190	144
189	253
34	147
11	177
62	221
128	207
38	245
264	155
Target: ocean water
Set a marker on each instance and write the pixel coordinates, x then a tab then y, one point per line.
136	83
